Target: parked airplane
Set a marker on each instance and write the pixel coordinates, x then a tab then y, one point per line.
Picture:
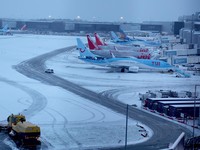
107	50
117	40
125	40
103	45
130	64
100	43
5	31
146	35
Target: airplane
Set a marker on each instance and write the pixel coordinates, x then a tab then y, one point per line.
107	50
116	39
127	64
100	43
5	31
146	35
125	40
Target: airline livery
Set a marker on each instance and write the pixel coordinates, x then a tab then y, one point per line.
118	51
129	64
125	40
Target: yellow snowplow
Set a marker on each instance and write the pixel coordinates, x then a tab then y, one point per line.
23	131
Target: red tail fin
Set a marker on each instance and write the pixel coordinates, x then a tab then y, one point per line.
98	40
91	43
23	27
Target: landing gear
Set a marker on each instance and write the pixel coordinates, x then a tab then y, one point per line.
124	70
170	71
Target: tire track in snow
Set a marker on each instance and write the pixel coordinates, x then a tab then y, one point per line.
39	101
87	108
66	131
54	124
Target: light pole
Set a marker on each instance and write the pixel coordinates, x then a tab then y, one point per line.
195	97
192	26
126	126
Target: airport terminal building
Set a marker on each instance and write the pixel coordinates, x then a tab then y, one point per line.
67	25
186	27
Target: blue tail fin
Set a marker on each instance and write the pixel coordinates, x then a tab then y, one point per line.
123	35
114	36
5	28
83	50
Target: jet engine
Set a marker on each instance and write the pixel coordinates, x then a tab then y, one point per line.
133	69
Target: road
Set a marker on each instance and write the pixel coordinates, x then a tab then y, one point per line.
165	132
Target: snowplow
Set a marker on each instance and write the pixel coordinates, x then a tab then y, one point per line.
21	131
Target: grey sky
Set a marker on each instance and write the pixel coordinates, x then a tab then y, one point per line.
101	10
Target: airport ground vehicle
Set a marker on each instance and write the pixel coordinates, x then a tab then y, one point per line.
49	71
22	132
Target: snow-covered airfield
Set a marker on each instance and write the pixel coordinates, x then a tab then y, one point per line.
69	121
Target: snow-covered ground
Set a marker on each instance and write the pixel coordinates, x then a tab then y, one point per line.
68	121
123	86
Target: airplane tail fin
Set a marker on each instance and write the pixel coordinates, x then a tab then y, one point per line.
91	43
114	37
123	35
98	40
83	50
23	27
5	28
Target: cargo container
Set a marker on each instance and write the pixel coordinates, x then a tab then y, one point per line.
160	105
187	110
150	101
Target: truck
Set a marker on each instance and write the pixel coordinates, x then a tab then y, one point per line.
22	131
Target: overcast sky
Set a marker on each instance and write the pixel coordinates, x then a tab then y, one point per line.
100	10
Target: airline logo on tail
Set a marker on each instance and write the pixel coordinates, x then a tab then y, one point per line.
83	50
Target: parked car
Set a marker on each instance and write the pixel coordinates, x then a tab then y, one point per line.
49	71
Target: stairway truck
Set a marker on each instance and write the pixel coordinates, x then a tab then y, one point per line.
20	129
